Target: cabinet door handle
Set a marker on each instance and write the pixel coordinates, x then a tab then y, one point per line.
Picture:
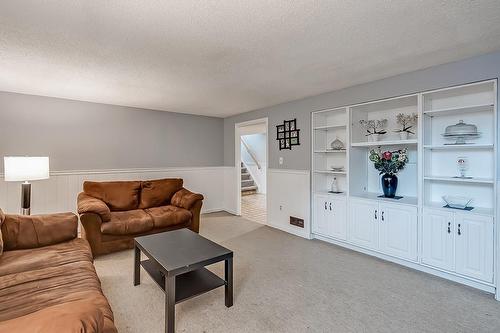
325	206
449	227
459	232
376	218
330	206
382	216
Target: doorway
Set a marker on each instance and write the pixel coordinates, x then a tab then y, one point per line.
251	160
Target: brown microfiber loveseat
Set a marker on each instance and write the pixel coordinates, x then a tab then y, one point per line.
113	213
47	279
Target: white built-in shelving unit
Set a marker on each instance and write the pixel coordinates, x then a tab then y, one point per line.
416	230
329	125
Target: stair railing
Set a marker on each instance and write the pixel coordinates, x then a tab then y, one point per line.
250	152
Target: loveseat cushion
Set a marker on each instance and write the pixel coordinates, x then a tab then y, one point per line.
119	195
128	223
45	279
166	216
155	193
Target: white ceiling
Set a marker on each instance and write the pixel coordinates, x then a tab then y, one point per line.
223	57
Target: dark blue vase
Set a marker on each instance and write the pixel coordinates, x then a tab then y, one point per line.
389	185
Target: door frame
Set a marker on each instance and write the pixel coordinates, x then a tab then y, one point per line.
237	157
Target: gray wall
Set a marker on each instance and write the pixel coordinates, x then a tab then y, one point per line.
81	135
461	72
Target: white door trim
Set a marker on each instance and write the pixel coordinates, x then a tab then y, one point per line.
237	156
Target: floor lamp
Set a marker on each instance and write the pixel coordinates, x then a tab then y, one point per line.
24	169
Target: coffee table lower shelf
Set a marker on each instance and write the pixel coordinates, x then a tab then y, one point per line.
187	285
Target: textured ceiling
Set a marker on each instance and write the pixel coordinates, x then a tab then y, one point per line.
223	57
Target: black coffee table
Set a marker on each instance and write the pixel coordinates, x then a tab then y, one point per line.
176	262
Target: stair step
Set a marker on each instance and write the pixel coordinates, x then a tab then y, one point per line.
248	193
243	170
248	188
248	182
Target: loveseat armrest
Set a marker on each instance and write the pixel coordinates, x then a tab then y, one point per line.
32	231
89	204
185	198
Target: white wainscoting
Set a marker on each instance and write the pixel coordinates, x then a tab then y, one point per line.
59	192
288	194
230	191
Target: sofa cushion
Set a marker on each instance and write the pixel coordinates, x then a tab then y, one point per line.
128	223
119	196
2	217
155	193
41	279
166	216
31	231
77	316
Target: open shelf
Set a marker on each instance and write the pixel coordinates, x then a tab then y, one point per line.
187	285
409	200
343	194
384	143
467	146
476	210
460	180
343	151
460	110
327	128
331	171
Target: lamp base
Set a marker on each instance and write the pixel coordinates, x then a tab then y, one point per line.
25	198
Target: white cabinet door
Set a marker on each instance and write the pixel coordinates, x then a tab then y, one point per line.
320	222
398	230
363	226
438	239
474	246
337	217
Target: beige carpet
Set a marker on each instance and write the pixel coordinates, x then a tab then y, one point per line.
287	284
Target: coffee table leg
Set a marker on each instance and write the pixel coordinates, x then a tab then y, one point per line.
137	266
169	304
228	289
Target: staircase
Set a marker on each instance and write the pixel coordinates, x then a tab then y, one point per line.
247	183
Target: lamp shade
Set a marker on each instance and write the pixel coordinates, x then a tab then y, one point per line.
24	168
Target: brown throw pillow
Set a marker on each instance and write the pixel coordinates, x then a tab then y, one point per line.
159	192
121	195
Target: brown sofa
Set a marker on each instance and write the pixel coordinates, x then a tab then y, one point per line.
113	213
47	280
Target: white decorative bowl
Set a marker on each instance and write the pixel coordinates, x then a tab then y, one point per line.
456	201
337	168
